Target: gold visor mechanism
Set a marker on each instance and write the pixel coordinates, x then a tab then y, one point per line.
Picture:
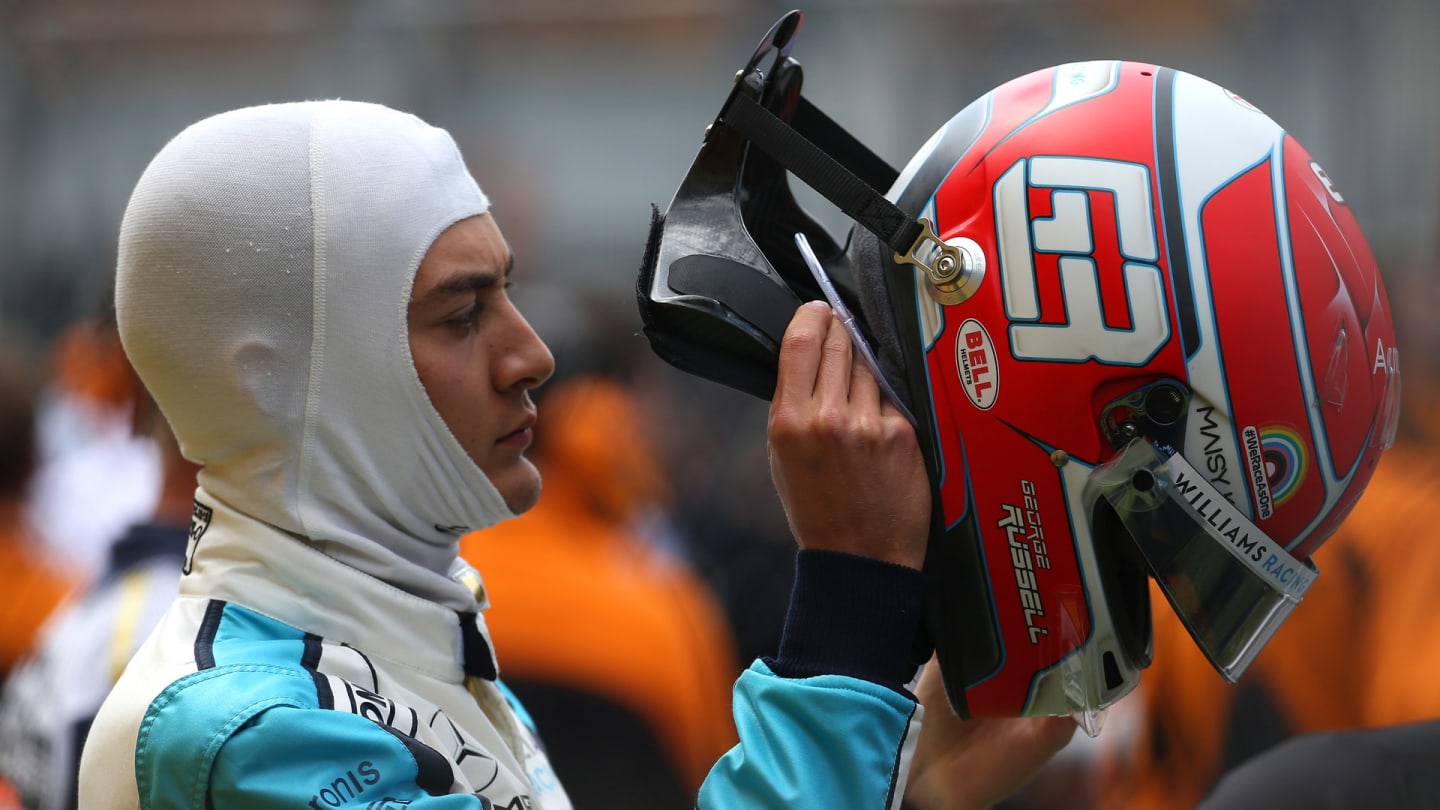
953	269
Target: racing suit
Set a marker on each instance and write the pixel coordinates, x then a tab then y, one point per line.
308	683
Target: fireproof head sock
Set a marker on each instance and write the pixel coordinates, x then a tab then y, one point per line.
265	267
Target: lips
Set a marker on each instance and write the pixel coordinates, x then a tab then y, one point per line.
522	434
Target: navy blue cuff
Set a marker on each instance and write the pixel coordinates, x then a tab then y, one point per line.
851	615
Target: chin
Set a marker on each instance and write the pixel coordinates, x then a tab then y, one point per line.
522	488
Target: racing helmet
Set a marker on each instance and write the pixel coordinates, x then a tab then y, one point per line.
1135	324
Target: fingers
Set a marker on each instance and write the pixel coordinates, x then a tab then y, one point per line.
821	373
817	358
800	352
828	436
832	384
977	763
865	390
1050	734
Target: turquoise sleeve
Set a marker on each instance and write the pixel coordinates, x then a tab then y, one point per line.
827	741
297	758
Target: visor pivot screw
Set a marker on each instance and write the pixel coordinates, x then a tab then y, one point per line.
945	268
1128	431
1059	458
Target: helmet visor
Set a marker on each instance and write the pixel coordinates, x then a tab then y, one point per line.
1230	584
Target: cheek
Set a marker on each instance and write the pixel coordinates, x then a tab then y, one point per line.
436	375
460	399
455	383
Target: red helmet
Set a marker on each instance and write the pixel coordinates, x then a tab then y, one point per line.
1139	330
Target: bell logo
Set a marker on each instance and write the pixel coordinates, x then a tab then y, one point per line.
975	360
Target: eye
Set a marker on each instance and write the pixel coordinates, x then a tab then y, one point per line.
468	317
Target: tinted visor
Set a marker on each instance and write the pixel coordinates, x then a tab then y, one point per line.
1230	584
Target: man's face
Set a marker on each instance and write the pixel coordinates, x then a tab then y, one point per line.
477	355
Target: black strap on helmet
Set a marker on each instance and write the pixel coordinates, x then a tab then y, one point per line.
813	148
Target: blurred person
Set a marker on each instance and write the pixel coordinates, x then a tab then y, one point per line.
315	295
35	584
87	452
1393	767
727	518
617	648
49	703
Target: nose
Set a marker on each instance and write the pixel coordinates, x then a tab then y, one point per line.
523	361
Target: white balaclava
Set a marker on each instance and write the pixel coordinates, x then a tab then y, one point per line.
265	267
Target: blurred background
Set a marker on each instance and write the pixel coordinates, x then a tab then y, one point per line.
576	116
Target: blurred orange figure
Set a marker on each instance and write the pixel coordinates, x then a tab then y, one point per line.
88	452
618	648
33	589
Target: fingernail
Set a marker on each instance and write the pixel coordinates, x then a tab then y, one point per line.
818	305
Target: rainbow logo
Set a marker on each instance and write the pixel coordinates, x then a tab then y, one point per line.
1286	463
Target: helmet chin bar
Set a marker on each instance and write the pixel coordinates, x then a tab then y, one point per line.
721	275
770	114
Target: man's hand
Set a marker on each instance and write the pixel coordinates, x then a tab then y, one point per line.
845	462
973	764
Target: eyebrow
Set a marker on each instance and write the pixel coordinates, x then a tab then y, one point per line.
469	283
